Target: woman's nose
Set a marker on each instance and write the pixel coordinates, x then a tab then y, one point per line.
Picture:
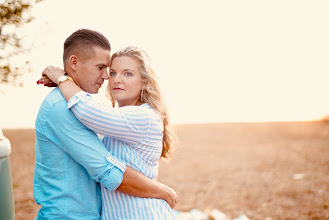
117	78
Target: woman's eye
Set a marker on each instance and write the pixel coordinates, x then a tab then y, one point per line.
128	74
100	67
112	73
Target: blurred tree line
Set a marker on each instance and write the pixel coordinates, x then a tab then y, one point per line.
14	14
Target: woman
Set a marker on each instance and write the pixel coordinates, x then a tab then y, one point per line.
136	132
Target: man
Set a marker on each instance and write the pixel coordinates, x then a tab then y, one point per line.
70	158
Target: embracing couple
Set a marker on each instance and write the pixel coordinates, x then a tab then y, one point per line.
79	175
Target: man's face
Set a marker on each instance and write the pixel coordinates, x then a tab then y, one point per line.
91	73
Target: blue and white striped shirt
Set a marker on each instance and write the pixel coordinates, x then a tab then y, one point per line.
133	134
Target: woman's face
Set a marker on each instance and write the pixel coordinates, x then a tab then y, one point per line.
125	82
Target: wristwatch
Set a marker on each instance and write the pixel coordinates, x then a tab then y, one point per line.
63	78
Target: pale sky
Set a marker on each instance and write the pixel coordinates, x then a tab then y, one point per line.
218	61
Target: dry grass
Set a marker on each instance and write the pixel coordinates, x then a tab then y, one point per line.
234	167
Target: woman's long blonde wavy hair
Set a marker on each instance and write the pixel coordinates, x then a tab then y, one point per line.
151	93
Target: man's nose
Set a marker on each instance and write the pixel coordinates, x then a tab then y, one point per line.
105	74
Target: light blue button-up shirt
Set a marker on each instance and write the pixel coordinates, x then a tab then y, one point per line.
69	159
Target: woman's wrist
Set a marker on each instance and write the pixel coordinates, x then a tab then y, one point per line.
54	74
63	78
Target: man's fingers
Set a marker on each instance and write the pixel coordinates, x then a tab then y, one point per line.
174	198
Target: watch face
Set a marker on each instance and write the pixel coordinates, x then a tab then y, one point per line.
62	79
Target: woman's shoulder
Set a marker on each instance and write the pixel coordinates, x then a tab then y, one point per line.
144	111
145	107
150	110
154	116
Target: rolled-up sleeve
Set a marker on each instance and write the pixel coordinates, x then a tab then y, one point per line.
85	147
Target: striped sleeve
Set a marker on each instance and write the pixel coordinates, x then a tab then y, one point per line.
130	124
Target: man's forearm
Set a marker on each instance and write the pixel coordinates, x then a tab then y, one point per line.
136	184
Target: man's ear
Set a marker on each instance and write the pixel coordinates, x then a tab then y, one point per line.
73	61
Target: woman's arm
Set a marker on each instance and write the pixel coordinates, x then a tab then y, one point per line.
69	89
129	124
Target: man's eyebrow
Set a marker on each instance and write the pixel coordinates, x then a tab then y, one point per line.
101	64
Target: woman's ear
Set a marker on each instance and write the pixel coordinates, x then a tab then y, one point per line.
144	84
73	61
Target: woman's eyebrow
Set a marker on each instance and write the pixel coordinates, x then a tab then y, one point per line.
129	70
123	70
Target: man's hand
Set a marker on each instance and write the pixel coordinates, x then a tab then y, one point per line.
170	197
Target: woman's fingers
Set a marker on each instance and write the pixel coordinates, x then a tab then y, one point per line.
44	80
51	84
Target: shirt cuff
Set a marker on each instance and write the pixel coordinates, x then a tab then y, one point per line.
79	96
114	180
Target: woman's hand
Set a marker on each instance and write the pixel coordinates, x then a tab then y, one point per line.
50	76
44	80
